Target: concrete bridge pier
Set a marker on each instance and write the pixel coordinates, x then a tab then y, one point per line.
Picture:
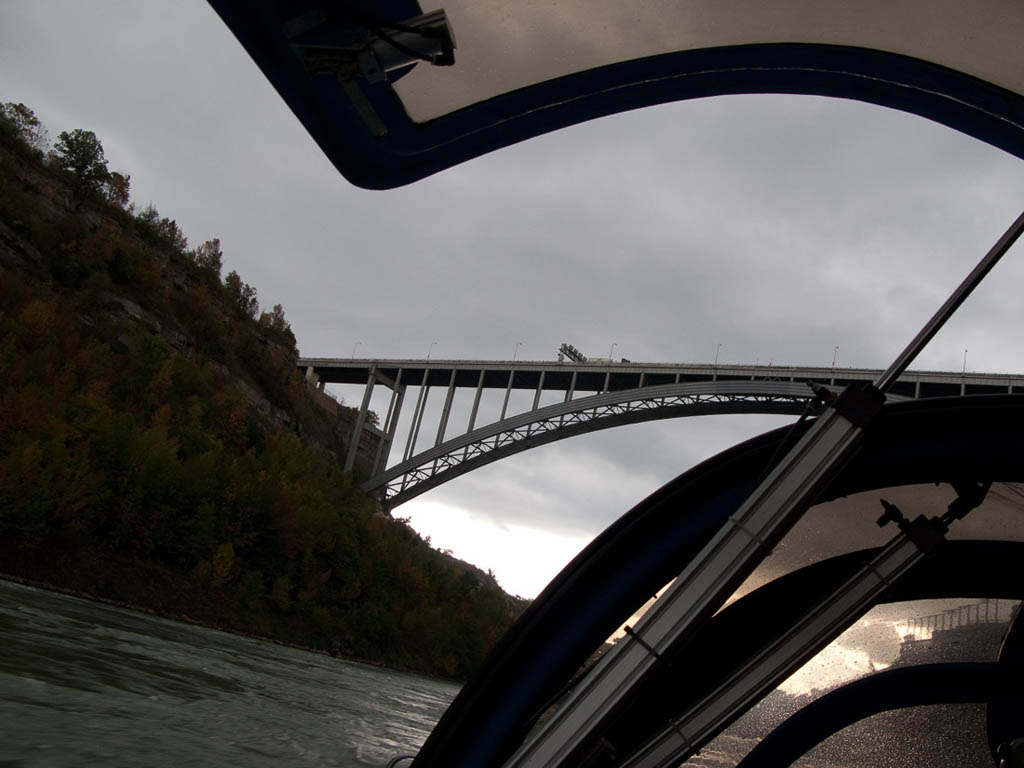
387	434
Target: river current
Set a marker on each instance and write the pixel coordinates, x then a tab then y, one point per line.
85	683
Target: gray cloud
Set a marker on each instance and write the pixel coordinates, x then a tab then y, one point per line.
777	226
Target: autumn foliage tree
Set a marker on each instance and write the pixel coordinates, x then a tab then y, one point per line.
242	295
155	227
116	189
209	257
81	154
22	124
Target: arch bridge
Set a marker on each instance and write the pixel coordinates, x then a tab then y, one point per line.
592	395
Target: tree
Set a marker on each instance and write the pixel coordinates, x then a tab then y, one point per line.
209	256
171	232
242	295
155	228
81	153
116	189
23	123
275	322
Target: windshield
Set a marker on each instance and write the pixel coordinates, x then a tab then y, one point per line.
504	46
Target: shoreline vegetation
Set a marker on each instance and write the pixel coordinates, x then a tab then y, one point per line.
160	450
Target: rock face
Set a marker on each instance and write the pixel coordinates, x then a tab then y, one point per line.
329	425
322	422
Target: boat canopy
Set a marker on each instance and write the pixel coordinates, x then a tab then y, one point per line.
395	90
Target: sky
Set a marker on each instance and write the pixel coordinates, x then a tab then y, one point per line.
778	227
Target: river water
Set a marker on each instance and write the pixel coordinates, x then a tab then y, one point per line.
84	683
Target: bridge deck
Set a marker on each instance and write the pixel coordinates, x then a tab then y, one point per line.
604	376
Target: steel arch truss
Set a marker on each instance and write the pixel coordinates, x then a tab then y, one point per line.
448	460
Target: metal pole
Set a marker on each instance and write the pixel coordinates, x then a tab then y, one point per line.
773	663
957	298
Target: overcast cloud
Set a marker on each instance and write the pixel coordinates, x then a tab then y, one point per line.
777	226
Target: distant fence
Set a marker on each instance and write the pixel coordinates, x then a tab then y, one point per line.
985	612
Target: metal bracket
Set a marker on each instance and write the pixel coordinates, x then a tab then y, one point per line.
860	403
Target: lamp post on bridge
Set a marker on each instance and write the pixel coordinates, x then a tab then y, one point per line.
835	351
516	350
611	352
354	348
431	349
717	350
963	372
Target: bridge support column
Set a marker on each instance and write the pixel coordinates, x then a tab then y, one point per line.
446	411
417	415
536	395
568	395
472	413
357	433
390	425
508	391
476	402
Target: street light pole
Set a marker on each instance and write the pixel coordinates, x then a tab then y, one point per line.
354	348
717	350
516	350
835	351
611	352
431	349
